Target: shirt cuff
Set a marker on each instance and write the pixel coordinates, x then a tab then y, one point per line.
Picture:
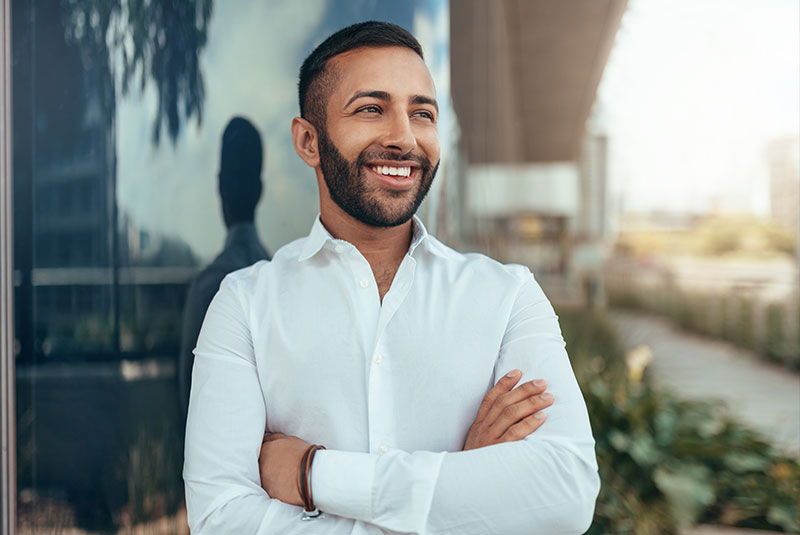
341	483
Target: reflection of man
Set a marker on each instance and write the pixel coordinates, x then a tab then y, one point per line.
239	190
373	339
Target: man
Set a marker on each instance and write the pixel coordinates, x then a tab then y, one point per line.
240	188
373	339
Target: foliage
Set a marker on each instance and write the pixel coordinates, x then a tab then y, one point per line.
729	317
721	235
150	470
666	463
646	242
714	235
144	40
778	344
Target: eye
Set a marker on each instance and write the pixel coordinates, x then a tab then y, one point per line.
370	108
425	115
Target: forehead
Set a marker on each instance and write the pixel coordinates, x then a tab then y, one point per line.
397	70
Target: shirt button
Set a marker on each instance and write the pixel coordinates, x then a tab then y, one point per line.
378	358
340	248
383	449
364	283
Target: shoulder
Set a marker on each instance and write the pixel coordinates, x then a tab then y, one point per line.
249	279
479	264
247	276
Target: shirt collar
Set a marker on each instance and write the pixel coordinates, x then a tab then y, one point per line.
319	236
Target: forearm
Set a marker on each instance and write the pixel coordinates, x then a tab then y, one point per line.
223	437
531	486
223	492
234	510
238	512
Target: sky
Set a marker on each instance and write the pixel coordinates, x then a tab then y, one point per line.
692	93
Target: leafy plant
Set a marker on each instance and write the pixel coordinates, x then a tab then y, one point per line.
667	463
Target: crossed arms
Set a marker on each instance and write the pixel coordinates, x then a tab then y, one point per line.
544	483
505	415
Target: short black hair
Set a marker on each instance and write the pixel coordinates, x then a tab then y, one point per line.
240	162
314	74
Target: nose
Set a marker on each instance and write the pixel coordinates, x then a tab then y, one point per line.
399	135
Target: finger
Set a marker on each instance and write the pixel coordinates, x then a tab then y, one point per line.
524	427
512	414
523	391
505	384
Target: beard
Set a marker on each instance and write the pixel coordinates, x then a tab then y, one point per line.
351	190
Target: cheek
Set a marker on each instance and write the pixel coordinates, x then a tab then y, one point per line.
346	138
429	143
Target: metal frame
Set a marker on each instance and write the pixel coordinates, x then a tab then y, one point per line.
8	457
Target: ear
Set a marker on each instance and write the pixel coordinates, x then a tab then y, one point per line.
304	138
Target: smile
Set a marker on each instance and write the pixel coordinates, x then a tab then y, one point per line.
391	171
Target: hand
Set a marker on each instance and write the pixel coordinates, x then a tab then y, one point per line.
506	415
279	466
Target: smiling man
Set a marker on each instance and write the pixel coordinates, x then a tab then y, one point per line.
422	370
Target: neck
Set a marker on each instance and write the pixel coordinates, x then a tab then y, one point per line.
229	224
378	244
383	247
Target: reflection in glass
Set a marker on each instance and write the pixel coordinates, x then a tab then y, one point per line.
98	440
240	190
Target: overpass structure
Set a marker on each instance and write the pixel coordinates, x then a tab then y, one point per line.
524	76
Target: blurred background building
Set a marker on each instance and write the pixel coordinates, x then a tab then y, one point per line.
641	157
525	76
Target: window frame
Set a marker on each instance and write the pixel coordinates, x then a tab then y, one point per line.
8	485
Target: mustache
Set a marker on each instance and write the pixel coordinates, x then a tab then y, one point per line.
366	156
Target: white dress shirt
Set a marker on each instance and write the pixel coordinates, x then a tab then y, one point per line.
302	345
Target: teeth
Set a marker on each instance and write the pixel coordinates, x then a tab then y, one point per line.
392	171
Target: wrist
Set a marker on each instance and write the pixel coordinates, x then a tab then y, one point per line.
304	481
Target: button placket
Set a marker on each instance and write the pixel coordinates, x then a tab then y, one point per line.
380	402
380	397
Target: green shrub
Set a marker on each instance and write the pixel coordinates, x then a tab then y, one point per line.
666	463
729	317
777	344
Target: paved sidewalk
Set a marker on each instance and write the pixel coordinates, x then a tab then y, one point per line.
763	395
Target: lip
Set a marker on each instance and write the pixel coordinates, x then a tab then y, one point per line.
394	182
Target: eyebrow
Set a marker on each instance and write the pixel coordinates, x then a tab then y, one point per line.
422	99
383	95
